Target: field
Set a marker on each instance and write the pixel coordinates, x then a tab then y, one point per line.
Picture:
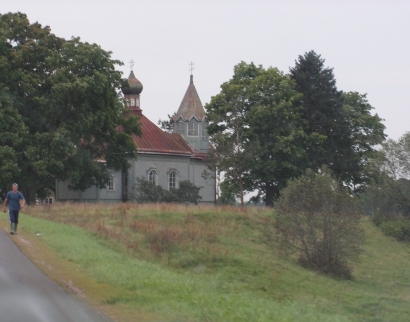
197	263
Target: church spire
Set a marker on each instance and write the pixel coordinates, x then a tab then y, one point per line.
191	104
189	121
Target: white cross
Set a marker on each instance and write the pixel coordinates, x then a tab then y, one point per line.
132	63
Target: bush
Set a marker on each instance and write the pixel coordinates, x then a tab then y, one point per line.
399	229
320	222
187	192
147	192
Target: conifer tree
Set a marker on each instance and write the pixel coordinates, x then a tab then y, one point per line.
335	119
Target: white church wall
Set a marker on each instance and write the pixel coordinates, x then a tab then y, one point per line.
162	164
89	194
92	194
187	169
112	195
63	193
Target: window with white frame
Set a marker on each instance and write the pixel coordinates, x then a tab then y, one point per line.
111	185
132	101
172	179
153	177
193	128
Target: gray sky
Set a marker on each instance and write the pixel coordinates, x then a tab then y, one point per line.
366	42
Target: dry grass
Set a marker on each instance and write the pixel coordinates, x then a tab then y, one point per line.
155	230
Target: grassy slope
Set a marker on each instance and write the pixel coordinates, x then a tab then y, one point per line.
228	273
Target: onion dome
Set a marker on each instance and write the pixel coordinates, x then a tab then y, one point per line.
135	86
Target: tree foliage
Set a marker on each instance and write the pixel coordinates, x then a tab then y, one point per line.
231	147
168	124
65	97
319	221
387	198
256	130
267	127
147	192
343	121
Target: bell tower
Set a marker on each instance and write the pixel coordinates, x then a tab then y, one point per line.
189	121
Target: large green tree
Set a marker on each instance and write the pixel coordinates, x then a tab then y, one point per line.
256	129
231	150
343	120
365	133
275	123
65	97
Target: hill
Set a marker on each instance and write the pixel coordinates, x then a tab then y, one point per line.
196	263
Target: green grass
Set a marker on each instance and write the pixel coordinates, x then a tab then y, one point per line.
211	264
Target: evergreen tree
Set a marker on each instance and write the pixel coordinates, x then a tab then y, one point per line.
346	132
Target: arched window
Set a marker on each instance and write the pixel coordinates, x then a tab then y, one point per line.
132	101
193	128
153	177
172	179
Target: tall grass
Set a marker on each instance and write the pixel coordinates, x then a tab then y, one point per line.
197	263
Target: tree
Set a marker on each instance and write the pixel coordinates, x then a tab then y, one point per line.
231	147
67	94
276	125
228	195
13	130
388	196
318	220
168	124
256	130
366	132
349	132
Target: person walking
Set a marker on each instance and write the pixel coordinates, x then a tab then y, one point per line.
16	202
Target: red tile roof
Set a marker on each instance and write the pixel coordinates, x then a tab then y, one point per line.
155	141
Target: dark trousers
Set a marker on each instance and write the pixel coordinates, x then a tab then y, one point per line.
14	216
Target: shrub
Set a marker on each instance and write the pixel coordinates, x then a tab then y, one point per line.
399	229
187	192
147	192
320	222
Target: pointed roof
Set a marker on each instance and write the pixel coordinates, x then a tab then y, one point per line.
191	105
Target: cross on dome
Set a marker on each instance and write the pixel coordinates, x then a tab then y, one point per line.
132	64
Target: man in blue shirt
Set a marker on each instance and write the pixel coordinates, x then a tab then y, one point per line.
16	201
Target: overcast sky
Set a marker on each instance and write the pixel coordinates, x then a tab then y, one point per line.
366	42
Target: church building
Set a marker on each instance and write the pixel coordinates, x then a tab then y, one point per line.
163	158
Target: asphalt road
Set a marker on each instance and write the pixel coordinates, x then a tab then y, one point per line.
26	294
